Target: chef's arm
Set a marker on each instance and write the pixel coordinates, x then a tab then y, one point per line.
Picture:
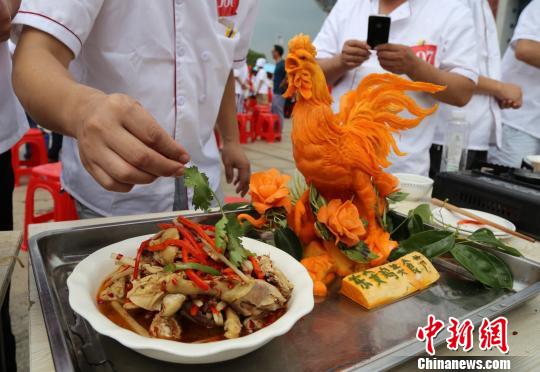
528	51
120	143
507	94
459	89
232	154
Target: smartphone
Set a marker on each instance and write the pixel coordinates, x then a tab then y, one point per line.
378	30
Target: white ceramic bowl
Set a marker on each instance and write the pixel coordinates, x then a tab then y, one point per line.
418	187
84	282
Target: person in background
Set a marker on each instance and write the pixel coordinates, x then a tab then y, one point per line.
241	76
521	64
491	94
13	125
261	84
135	110
431	41
280	82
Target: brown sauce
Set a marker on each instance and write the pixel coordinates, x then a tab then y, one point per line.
191	331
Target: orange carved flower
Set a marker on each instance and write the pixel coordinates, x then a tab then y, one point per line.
343	221
269	190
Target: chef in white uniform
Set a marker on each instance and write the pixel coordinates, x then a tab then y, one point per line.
483	112
521	64
430	40
150	77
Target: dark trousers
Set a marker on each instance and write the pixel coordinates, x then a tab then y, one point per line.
474	159
7	184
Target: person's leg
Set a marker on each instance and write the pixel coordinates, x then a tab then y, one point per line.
435	155
7	185
278	103
476	158
56	146
84	212
515	146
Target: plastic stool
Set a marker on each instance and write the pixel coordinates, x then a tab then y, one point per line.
245	127
47	177
269	126
258	110
35	139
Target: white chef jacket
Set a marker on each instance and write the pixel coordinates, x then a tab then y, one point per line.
483	112
262	78
441	32
527	118
13	123
242	74
174	57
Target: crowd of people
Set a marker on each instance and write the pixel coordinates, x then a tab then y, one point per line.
136	105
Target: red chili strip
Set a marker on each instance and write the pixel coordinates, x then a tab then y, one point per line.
256	267
197	228
142	247
469	222
197	280
194	310
165	226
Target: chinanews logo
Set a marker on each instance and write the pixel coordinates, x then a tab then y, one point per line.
491	334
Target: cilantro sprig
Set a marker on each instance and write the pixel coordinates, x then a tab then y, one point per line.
228	229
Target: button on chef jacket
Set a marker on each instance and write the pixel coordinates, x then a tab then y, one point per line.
527	118
482	112
13	123
441	32
174	57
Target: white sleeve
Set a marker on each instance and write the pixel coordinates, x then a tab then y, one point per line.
247	14
528	26
459	50
328	40
69	21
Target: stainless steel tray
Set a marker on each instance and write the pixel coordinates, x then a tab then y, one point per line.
337	335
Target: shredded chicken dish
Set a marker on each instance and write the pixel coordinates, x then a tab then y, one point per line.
182	287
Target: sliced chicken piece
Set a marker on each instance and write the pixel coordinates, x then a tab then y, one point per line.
147	293
115	291
168	254
253	323
165	327
232	327
260	298
130	306
171	304
275	276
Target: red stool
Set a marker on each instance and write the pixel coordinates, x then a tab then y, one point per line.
47	177
257	111
245	127
35	139
269	126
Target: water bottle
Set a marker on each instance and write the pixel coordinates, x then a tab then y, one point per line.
456	142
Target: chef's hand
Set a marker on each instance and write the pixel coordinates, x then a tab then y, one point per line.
5	20
121	145
234	158
354	53
510	96
396	58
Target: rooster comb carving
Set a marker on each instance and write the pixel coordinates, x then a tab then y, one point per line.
302	41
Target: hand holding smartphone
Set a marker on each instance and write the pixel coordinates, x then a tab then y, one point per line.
378	30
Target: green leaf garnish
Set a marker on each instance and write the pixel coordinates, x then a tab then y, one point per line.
221	233
202	193
286	240
359	253
237	253
397	196
486	236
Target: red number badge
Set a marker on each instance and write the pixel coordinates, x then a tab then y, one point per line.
426	52
227	8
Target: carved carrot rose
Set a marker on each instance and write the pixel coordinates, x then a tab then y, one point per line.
343	221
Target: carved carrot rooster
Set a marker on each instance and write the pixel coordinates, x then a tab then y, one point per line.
344	155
